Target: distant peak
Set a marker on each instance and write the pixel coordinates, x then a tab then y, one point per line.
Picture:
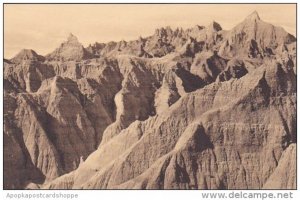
28	51
72	38
197	27
167	28
27	54
215	26
163	31
70	50
253	16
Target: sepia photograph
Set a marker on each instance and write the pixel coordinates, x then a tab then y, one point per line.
149	96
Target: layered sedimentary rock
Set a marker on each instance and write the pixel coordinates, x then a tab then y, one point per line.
202	108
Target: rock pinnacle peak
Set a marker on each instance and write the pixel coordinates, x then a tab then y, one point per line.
253	16
72	38
27	54
215	26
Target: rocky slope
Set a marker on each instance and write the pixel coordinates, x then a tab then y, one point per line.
202	108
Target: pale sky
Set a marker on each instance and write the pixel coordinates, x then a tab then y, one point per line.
43	27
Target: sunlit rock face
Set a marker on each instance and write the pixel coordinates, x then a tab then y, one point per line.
202	108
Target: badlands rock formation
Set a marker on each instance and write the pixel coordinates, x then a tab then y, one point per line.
202	108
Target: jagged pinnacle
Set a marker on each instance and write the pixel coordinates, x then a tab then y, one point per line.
253	16
72	38
215	26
